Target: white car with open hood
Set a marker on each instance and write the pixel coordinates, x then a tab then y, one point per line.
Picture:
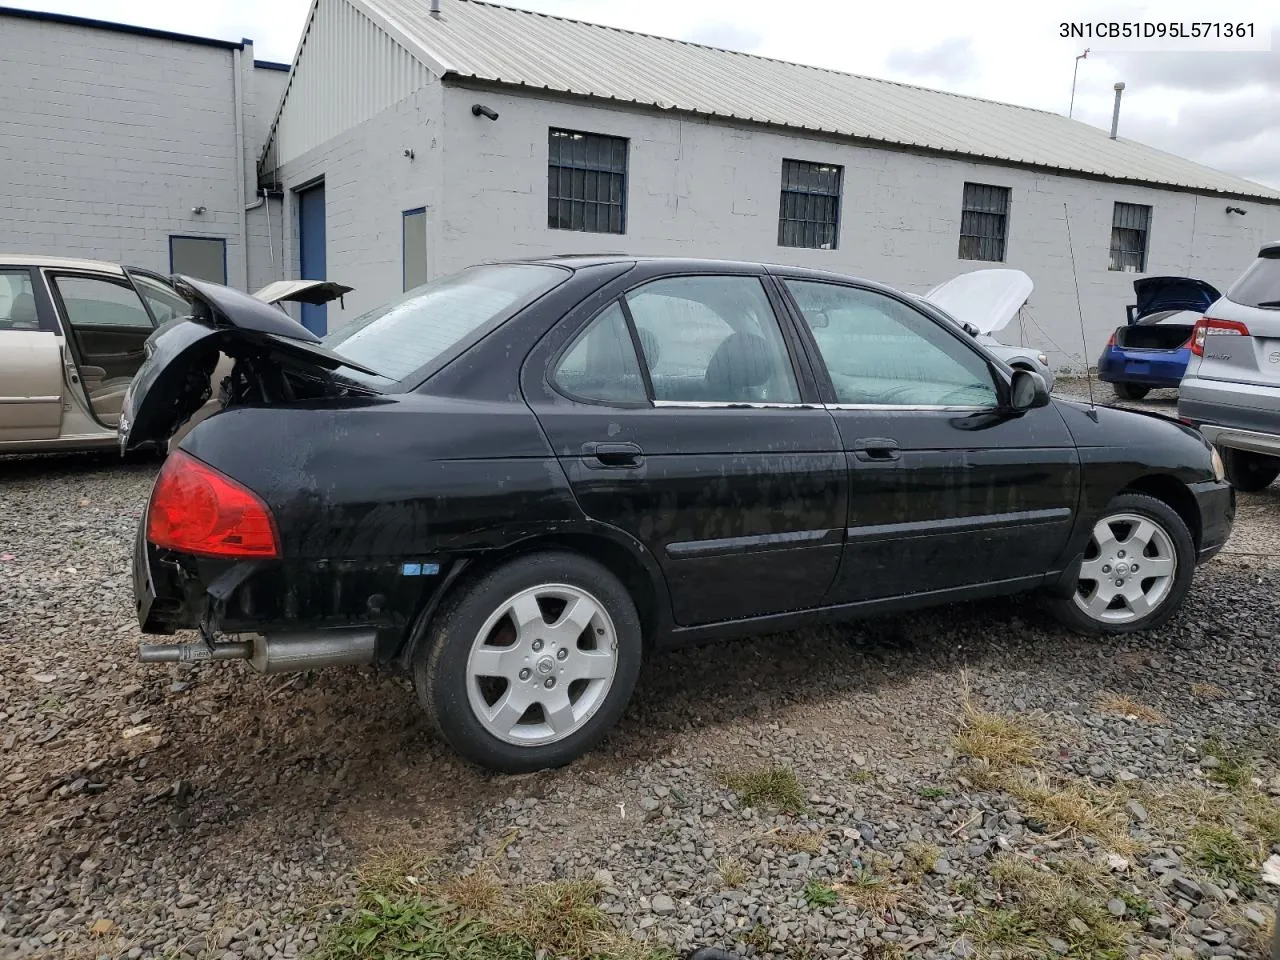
984	302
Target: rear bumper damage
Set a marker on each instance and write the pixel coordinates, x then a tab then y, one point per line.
302	616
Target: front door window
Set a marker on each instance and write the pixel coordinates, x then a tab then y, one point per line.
881	352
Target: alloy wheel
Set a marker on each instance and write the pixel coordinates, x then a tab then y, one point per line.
542	664
1128	569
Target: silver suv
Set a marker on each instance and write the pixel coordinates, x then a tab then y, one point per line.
1231	390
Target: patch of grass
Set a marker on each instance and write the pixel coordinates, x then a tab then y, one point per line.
998	928
733	872
860	776
1138	907
884	951
1069	805
1234	769
869	892
1225	855
475	894
775	787
402	916
1126	706
919	859
796	842
401	927
966	888
1207	691
934	793
818	894
1263	813
758	937
998	740
1052	904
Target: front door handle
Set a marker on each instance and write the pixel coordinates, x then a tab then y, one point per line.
875	449
612	455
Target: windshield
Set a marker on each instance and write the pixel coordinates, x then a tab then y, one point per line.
409	333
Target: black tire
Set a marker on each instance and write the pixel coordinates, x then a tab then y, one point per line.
1064	606
1248	471
1130	391
440	671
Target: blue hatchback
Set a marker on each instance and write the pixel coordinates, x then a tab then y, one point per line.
1152	349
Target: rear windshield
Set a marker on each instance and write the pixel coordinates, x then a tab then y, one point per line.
409	333
1259	286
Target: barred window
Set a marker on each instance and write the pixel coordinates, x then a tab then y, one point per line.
586	182
984	222
1129	225
809	215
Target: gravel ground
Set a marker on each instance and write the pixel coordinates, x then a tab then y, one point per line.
208	812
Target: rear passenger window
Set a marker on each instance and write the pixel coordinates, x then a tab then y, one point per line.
1259	286
601	364
17	301
712	340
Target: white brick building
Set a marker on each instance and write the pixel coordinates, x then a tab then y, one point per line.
379	111
113	137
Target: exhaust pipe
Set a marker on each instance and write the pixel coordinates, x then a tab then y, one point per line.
280	653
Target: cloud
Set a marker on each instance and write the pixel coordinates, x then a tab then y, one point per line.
951	59
728	36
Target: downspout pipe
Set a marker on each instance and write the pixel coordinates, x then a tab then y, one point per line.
237	88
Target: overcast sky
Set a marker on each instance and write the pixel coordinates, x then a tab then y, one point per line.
1219	108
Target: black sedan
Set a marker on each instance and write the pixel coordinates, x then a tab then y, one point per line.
519	480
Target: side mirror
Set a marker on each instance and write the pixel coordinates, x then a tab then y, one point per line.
1027	391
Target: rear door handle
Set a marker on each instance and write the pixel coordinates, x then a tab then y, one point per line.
612	455
875	449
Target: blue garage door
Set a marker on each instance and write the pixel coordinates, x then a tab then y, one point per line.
311	253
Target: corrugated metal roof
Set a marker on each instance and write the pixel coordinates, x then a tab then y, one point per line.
484	41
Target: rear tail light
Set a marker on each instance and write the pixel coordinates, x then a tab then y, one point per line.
195	509
1211	327
1111	340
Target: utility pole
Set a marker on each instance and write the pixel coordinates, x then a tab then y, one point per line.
1071	109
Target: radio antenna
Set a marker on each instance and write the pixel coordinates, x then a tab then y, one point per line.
1084	345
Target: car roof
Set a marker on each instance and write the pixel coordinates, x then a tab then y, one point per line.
60	263
578	261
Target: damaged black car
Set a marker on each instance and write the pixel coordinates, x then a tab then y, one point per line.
518	481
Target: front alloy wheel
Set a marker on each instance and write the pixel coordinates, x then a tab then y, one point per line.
1135	570
1128	569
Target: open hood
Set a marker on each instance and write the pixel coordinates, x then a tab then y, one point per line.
1163	294
985	299
302	291
175	377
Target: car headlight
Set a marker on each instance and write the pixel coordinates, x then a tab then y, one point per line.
1219	468
1044	360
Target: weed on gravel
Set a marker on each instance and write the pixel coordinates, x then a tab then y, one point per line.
997	740
818	894
773	787
475	918
1126	706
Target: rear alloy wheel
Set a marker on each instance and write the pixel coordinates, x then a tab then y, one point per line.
1135	572
531	665
1250	472
1130	391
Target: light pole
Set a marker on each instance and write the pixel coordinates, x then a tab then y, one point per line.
1076	70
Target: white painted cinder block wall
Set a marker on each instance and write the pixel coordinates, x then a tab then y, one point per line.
369	183
703	188
109	139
